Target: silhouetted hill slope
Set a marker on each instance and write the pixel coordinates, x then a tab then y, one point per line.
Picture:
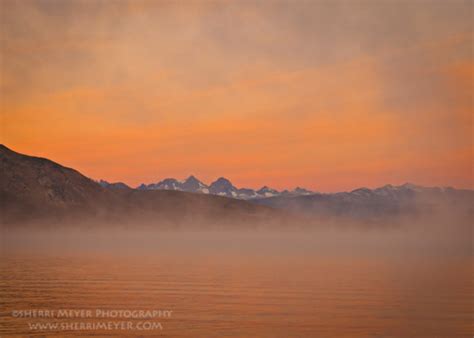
36	187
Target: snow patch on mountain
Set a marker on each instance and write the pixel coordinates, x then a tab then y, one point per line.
220	187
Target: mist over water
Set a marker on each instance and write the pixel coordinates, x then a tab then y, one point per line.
413	280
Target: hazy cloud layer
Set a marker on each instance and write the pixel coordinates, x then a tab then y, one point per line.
328	95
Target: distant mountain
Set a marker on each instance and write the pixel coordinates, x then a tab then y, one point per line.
374	204
35	190
301	191
223	187
192	184
220	187
296	192
267	192
115	185
166	184
247	194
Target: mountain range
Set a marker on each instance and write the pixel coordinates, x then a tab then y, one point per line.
220	187
34	189
385	202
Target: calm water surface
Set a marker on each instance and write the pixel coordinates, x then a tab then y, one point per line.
238	290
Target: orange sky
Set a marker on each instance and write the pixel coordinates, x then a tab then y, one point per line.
329	96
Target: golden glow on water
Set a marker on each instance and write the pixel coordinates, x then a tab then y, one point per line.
239	295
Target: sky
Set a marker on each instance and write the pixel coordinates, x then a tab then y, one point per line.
330	96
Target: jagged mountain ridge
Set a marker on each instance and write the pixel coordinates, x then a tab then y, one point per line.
362	203
220	187
379	203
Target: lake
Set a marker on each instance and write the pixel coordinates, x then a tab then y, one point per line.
235	285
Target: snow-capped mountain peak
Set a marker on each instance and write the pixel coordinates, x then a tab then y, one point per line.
222	182
267	192
302	191
222	187
192	184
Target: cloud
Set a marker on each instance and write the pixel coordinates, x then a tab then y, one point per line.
327	95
